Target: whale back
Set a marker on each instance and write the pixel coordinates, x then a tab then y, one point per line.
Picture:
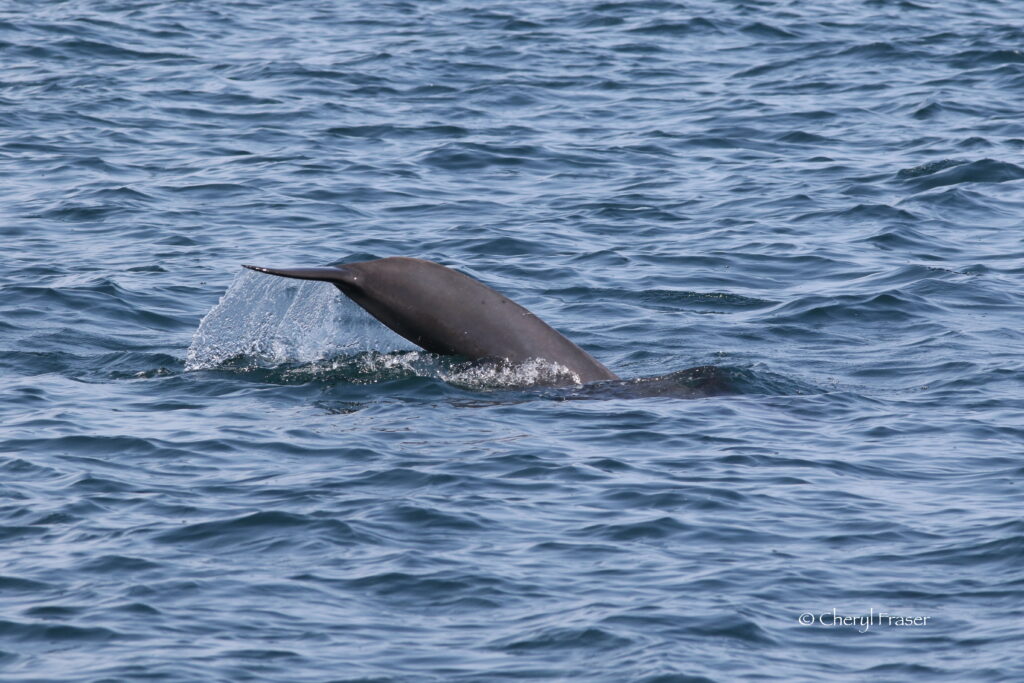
447	312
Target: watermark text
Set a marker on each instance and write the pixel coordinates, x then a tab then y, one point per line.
861	622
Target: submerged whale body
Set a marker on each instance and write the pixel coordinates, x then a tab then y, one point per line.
449	313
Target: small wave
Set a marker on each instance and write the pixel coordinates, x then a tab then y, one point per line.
669	299
381	131
91	48
799	137
955	201
660	528
117	564
862	214
563	639
55	633
902	238
704	381
676	28
762	30
951	172
879	50
13	584
973	59
267	529
929	168
887	307
211	190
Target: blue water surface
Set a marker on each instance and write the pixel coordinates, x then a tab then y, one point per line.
820	200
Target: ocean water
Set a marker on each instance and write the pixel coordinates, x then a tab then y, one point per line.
207	474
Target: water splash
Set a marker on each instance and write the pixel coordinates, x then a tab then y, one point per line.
272	321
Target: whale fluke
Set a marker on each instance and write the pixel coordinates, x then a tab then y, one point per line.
447	312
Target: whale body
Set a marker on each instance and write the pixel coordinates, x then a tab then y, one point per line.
447	312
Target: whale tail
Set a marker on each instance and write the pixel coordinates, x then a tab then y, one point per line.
447	312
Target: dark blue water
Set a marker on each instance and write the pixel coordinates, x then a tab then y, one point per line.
821	200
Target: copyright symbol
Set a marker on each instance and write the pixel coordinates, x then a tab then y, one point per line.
806	619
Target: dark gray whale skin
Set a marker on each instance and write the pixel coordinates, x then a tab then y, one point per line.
447	312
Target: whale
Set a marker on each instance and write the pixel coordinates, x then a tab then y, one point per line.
447	312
